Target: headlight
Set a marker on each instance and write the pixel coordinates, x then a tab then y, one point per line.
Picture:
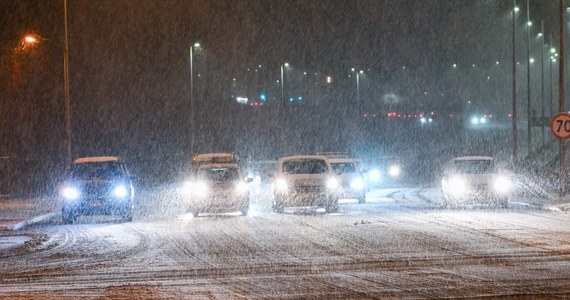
69	193
120	191
374	175
241	187
394	171
502	184
196	188
332	184
457	186
281	184
357	184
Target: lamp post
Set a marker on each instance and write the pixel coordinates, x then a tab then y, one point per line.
192	104
528	109
33	39
283	83
357	85
541	35
514	89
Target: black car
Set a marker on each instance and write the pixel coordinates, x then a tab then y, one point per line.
98	185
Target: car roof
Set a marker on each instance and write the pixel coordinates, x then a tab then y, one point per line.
300	157
473	158
215	166
206	156
95	159
338	160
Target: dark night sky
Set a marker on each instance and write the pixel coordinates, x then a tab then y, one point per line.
129	67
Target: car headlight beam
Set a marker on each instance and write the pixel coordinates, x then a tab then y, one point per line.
120	191
281	184
502	184
70	193
457	186
332	184
357	184
241	187
394	171
374	175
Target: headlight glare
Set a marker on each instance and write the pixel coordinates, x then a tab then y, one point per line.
502	184
196	188
394	171
241	187
374	175
457	186
120	191
69	193
332	184
281	184
357	184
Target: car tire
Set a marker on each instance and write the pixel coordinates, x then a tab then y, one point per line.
245	210
278	207
68	216
332	206
127	216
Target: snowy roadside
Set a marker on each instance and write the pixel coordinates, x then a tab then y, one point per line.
17	214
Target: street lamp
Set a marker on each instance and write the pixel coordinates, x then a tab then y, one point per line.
192	131
358	85
283	83
34	39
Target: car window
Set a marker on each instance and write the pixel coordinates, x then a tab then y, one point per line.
219	174
305	166
344	167
96	170
474	166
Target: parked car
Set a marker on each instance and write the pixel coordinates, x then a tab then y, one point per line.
475	179
98	185
217	188
351	180
305	180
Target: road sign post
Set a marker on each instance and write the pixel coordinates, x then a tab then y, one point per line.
560	127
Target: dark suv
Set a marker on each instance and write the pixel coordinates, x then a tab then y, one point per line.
98	185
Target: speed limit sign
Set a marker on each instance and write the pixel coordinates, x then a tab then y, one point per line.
560	125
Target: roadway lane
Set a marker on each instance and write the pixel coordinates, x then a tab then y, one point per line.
398	245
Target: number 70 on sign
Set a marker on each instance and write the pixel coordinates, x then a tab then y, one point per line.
560	126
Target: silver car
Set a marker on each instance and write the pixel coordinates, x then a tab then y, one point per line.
475	179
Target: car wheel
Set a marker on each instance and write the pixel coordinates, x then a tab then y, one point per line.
504	203
332	206
245	210
67	216
127	216
278	207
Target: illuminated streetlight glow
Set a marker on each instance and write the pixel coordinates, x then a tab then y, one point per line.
30	39
531	60
517	9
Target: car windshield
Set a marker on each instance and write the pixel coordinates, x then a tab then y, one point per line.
305	166
344	167
99	170
218	174
474	166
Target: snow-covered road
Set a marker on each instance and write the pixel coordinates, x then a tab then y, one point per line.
398	245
